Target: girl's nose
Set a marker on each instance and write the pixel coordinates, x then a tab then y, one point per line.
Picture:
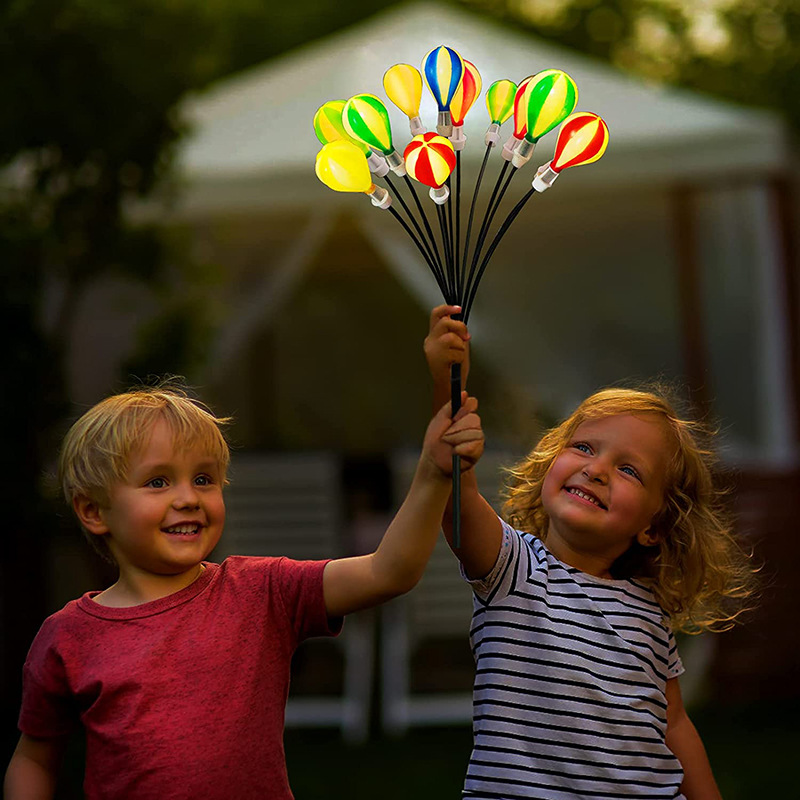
596	472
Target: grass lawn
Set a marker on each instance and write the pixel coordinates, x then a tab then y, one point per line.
752	751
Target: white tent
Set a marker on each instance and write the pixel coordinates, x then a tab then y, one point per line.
664	257
256	127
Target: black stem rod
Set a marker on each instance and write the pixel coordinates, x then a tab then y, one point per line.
488	221
416	241
458	271
451	243
493	246
440	213
482	232
455	405
464	282
434	260
424	220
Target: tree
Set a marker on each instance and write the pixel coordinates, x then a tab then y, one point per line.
742	50
88	95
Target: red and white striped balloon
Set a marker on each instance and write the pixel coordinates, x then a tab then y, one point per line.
430	159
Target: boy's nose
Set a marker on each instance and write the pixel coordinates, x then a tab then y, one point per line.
186	497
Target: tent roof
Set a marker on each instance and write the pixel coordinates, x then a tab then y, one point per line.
257	125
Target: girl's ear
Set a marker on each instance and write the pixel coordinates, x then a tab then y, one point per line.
90	514
647	538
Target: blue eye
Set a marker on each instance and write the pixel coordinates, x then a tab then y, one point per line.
583	447
630	471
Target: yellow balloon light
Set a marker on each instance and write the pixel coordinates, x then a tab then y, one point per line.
403	86
582	139
463	100
500	105
341	166
329	127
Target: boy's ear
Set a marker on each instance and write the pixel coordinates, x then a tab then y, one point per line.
90	515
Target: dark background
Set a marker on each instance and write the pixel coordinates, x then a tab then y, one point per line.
89	92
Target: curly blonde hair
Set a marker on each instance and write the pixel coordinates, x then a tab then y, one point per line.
698	572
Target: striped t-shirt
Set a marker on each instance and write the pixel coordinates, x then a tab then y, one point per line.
570	678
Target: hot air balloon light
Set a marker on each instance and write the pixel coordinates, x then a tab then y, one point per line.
341	166
500	105
465	96
582	139
443	69
520	119
430	159
366	119
403	86
329	127
551	98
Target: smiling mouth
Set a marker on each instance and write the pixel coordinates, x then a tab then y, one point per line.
589	498
183	530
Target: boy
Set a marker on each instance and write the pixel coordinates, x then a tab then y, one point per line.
179	672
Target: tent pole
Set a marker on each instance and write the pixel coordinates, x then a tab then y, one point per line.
786	218
695	346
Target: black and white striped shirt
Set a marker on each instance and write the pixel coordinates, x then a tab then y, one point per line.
570	678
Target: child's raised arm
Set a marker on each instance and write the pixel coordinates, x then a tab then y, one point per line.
447	343
350	584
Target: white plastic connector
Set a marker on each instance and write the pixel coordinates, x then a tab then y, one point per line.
377	165
416	126
509	147
492	135
380	197
458	138
523	153
440	195
545	177
444	124
396	163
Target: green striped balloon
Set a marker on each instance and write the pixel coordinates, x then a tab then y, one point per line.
329	127
552	97
366	119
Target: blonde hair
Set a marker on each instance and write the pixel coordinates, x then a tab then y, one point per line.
697	570
96	451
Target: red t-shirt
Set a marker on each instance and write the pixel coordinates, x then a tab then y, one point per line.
182	698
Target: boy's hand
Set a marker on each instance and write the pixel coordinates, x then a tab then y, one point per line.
350	584
447	343
462	436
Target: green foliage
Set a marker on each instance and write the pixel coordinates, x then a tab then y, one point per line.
251	31
88	95
742	50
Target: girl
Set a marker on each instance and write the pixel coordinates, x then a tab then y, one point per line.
614	538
